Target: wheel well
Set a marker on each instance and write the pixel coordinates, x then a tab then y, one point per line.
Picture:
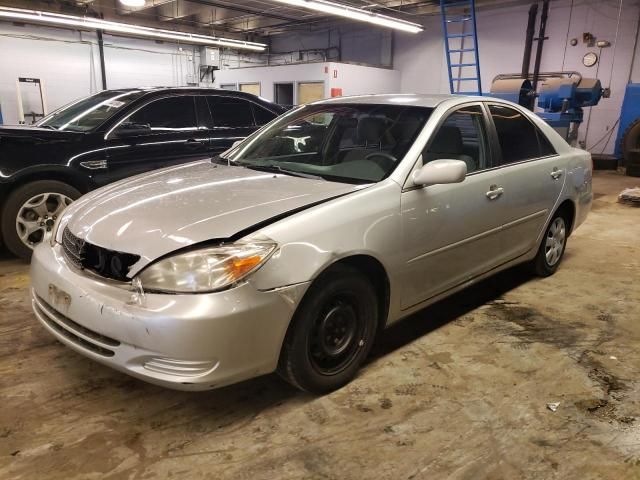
78	183
377	275
568	210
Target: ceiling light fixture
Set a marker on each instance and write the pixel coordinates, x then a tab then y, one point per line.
353	13
132	3
124	28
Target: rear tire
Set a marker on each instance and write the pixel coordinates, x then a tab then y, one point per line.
30	211
331	333
552	247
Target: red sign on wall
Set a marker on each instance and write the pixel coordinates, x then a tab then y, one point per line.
336	92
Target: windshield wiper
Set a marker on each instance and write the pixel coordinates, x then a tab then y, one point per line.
50	127
279	169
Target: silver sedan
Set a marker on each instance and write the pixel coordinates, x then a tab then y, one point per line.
291	251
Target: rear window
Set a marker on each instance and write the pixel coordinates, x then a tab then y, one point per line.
230	112
519	139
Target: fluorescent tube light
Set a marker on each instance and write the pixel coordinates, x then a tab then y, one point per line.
353	13
133	3
116	27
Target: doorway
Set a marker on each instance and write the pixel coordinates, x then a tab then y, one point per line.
283	94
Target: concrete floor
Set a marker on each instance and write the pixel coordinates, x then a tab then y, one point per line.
457	391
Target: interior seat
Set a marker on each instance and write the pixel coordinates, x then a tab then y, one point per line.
369	136
448	146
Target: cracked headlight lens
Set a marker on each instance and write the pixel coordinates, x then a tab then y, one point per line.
205	270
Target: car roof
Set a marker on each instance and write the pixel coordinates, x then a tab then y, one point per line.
416	99
187	90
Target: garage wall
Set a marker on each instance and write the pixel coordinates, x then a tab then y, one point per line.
359	79
333	74
68	62
421	59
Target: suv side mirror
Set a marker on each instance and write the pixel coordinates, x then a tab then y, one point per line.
133	129
440	171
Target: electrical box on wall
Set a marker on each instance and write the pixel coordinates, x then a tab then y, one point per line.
210	57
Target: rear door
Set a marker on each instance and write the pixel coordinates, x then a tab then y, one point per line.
531	177
233	120
161	133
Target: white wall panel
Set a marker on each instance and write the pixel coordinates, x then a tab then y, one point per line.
68	62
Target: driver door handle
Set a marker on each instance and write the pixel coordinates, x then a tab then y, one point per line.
494	192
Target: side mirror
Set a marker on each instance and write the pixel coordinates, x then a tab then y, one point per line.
133	129
440	171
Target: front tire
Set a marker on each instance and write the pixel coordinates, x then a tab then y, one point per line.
331	333
552	248
30	212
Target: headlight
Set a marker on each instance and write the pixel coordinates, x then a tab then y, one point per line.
205	270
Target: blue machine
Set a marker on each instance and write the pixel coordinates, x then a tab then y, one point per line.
630	113
562	97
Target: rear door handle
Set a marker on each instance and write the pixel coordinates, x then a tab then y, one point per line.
494	192
555	173
192	143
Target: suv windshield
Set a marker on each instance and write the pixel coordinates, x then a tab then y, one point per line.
90	112
348	142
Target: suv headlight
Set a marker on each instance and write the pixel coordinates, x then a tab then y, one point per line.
205	270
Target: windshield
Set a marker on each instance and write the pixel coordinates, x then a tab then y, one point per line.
90	112
354	143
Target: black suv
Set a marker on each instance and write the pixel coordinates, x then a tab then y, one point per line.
109	136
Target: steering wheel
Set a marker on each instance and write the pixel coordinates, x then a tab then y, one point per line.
386	156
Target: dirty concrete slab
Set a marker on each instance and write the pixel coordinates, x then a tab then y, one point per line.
458	391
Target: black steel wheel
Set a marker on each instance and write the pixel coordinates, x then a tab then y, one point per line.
331	333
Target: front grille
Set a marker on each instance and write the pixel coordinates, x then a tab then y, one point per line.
73	248
72	331
106	263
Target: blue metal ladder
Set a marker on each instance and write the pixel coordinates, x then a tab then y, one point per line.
459	26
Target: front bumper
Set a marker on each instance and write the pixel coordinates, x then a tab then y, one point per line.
185	342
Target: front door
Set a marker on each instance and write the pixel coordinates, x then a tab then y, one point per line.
451	233
162	133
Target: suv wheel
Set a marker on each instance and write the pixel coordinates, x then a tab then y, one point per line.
30	213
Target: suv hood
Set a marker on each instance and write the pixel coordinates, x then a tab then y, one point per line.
32	134
155	214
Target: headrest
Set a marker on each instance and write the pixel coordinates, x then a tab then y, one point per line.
370	129
448	140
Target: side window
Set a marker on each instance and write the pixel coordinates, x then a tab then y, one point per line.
204	115
172	113
462	136
262	115
519	139
230	112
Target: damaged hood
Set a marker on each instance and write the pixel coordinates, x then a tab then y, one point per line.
155	214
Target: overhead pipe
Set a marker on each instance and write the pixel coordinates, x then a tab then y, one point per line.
531	25
103	69
541	38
